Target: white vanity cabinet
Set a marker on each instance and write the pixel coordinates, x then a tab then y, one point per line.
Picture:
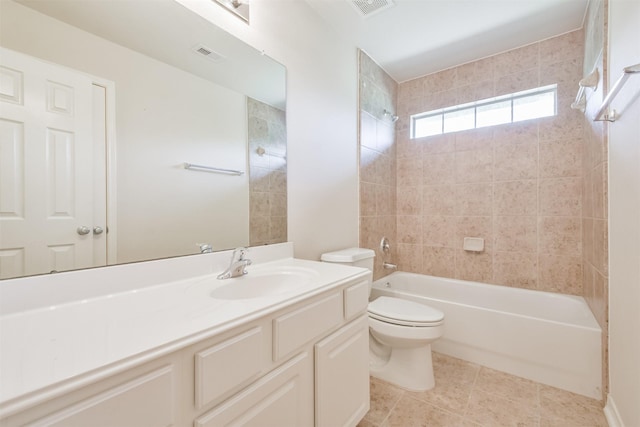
317	366
304	364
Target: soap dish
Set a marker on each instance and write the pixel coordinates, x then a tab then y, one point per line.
473	244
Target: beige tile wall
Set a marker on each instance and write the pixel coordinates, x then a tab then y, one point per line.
267	174
377	161
518	186
595	171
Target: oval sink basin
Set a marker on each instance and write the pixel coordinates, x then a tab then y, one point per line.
256	284
261	285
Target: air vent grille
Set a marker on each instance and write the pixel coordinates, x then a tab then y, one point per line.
208	53
366	8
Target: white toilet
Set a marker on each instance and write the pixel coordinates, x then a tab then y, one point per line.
400	331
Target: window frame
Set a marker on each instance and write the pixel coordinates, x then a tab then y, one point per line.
553	88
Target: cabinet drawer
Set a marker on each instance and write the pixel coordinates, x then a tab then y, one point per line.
284	397
144	401
228	365
356	299
292	330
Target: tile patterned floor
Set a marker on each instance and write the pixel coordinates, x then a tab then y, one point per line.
469	395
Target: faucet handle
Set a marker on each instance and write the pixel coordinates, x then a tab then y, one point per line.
205	248
240	252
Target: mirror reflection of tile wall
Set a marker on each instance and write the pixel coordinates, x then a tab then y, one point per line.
267	174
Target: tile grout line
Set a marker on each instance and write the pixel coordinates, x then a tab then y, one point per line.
392	408
473	386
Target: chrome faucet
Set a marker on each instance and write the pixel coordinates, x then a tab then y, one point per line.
237	266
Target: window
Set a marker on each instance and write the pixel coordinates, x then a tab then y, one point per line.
515	107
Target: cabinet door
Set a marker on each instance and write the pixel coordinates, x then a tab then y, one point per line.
342	375
282	398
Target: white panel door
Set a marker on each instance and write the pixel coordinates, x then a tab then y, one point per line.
46	156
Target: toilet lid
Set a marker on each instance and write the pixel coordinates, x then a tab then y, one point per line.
401	311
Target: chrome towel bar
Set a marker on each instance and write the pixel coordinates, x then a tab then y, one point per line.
191	166
611	117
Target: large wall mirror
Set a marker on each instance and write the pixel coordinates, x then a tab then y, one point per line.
103	106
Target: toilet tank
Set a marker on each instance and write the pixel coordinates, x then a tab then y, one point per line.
357	257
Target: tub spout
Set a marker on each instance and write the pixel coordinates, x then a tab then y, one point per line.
389	266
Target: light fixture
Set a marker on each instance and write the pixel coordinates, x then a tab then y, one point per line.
239	8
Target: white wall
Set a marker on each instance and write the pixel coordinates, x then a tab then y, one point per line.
155	135
623	404
322	85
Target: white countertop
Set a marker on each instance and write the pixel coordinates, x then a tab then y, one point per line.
46	346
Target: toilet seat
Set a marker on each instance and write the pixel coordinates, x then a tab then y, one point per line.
403	312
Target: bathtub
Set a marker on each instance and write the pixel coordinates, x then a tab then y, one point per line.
545	337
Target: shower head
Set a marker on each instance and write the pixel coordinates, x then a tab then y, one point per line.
391	116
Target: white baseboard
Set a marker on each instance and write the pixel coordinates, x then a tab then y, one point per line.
611	413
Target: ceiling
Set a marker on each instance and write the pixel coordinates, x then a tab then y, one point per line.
418	37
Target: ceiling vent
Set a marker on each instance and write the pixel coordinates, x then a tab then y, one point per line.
367	8
208	53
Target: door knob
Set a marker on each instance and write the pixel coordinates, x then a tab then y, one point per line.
82	230
97	230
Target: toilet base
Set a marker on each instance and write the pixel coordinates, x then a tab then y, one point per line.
409	368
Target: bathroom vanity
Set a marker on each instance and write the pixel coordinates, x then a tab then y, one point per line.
172	354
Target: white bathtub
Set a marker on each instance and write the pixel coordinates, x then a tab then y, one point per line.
546	337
